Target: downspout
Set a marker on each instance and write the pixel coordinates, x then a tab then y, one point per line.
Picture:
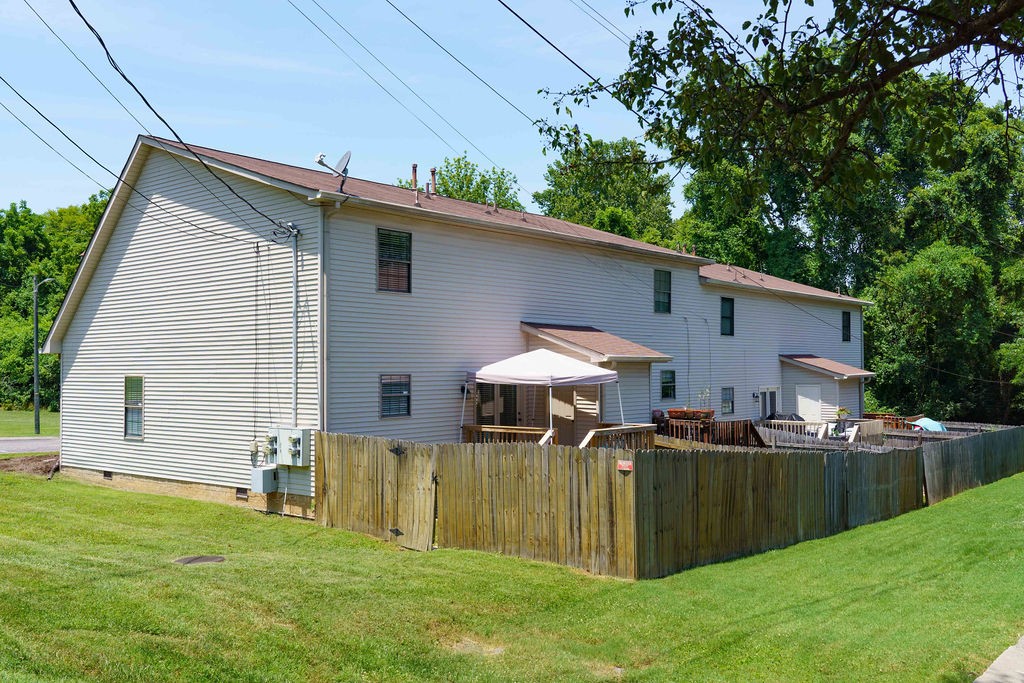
295	324
321	385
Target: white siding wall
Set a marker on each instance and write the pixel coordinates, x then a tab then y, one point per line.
180	308
849	396
470	290
793	376
766	325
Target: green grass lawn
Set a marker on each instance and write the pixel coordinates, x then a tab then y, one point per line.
22	423
88	590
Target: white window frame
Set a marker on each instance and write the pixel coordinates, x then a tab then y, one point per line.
133	406
407	394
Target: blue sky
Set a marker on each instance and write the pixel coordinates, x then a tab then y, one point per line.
258	79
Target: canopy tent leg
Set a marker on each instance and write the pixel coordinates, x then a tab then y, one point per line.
551	415
622	415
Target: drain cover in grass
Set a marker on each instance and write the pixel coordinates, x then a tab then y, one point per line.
199	559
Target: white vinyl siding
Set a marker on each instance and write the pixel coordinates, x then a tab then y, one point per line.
182	308
472	289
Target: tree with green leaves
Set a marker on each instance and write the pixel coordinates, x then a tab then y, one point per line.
51	245
588	180
796	82
460	178
929	334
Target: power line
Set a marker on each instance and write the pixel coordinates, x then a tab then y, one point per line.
117	68
403	82
597	21
607	20
136	119
371	77
559	50
463	64
52	148
98	163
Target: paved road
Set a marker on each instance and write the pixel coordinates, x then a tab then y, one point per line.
30	444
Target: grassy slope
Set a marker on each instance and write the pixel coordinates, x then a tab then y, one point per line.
87	589
21	423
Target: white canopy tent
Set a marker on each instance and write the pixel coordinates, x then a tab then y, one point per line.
545	368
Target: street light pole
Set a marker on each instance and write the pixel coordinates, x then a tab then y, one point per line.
35	343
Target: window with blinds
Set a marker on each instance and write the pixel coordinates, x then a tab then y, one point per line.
662	291
133	407
395	395
394	261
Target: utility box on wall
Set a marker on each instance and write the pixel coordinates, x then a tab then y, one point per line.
264	479
288	446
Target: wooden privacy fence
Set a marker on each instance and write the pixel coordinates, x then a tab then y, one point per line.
955	465
634	514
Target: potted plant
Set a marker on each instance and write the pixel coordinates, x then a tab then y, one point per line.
841	415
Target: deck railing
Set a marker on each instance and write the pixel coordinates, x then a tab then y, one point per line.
508	434
893	421
818	430
721	432
630	437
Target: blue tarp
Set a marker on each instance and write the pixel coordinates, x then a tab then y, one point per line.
929	425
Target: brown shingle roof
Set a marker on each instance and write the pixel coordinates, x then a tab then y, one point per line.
599	345
322	181
826	366
744	277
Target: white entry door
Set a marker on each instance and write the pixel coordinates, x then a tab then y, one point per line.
808	402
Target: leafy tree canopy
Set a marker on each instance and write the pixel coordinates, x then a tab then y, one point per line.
596	176
945	298
460	178
791	91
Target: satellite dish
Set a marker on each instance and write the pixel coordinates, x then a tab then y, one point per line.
339	169
342	166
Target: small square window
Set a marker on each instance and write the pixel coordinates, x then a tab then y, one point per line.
395	395
668	383
728	405
662	291
394	261
728	316
133	394
846	326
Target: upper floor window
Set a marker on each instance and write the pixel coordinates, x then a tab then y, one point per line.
133	407
728	316
662	291
394	261
846	326
668	383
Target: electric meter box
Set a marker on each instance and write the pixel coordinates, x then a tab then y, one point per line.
288	446
264	479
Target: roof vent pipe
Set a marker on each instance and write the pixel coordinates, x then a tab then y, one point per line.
415	186
433	178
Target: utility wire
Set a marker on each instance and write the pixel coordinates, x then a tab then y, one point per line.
117	68
597	21
463	64
403	82
607	21
559	50
98	163
52	148
371	77
136	119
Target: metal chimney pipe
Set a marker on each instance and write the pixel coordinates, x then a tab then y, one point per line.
433	179
414	185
